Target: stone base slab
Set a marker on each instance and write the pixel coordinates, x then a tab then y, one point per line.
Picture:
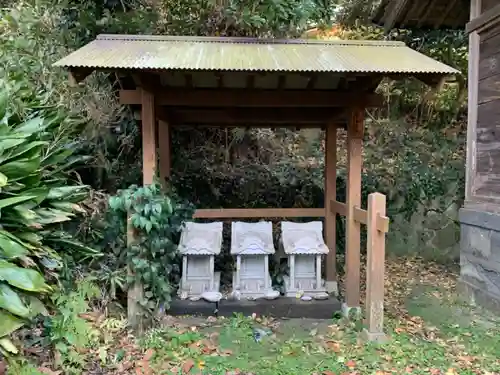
477	296
282	307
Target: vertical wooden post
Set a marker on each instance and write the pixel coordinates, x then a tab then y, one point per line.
135	293
330	217
375	269
149	160
473	87
164	150
353	241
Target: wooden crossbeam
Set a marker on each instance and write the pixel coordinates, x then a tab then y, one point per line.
254	116
257	213
254	98
484	20
360	215
338	208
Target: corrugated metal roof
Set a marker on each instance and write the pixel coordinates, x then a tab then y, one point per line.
242	54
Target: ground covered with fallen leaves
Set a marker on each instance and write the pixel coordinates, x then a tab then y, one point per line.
429	330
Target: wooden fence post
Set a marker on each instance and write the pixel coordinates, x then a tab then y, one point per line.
377	226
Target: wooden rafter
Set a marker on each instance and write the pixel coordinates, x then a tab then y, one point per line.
397	9
254	98
428	10
451	5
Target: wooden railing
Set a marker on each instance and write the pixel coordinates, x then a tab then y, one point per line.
377	226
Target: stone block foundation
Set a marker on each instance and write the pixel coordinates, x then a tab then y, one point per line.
479	279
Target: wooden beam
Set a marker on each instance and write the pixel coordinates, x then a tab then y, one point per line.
428	11
164	151
255	116
254	98
484	20
330	196
362	217
281	82
257	213
312	82
250	81
411	11
397	10
338	208
354	162
375	270
451	4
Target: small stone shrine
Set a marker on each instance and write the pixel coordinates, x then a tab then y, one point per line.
199	244
304	245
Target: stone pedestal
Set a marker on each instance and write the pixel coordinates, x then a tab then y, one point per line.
479	279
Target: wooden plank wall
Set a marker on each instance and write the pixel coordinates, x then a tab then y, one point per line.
488	4
486	182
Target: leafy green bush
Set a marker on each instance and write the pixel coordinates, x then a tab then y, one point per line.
156	219
36	197
67	331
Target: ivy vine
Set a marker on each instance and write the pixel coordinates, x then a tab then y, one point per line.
157	218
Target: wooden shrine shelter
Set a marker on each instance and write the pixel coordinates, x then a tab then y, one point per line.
480	216
220	82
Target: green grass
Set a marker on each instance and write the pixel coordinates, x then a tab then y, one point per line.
429	331
439	337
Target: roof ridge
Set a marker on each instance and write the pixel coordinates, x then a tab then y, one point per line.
244	40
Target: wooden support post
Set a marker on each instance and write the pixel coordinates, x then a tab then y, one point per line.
149	160
353	241
473	100
331	215
164	151
148	118
135	293
375	268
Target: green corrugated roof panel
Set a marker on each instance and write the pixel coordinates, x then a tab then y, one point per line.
243	54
